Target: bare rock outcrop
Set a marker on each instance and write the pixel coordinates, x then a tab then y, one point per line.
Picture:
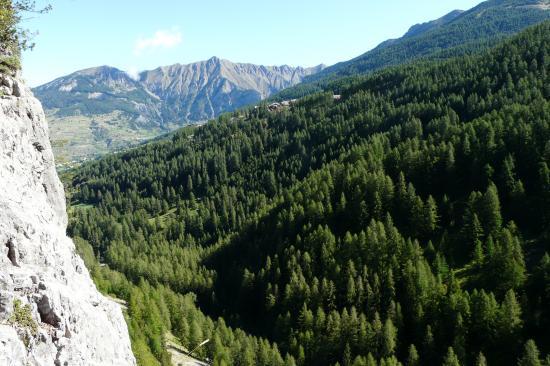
50	311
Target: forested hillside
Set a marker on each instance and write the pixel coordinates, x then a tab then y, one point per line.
457	33
406	223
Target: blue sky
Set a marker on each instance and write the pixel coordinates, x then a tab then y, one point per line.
136	35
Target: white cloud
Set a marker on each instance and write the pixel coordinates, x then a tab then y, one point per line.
133	72
163	38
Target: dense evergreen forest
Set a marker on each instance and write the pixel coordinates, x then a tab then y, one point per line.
407	223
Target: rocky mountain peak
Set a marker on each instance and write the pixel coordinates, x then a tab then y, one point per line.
214	60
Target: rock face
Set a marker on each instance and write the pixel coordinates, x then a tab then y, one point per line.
50	311
203	90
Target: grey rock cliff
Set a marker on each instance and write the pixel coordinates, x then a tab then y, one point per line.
50	311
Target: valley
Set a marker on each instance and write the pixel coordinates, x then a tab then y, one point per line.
342	231
390	209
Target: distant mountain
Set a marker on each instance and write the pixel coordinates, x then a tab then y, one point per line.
101	90
457	33
205	89
102	109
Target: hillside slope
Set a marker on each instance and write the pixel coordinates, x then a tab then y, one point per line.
457	33
103	109
406	223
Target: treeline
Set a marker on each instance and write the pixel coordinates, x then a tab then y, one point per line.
407	223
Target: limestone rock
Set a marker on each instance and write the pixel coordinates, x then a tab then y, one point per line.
50	311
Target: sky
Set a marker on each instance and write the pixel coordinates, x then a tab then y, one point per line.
137	35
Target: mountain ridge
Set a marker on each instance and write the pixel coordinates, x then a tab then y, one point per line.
426	26
240	83
103	109
127	109
454	34
148	80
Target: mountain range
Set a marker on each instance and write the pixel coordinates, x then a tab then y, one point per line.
102	109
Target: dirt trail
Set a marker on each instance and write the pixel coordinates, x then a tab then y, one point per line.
179	353
176	350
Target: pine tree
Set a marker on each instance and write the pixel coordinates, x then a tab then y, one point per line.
430	216
510	316
544	187
428	349
389	338
481	360
451	359
413	359
351	292
473	233
490	210
370	360
346	358
530	355
359	361
289	360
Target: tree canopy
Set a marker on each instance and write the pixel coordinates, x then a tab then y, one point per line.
406	223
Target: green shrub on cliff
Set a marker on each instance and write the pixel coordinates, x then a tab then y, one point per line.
14	38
